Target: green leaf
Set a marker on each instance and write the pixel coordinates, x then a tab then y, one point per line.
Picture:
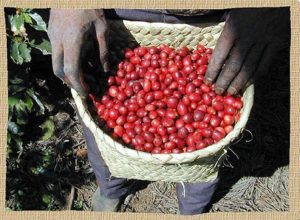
47	128
10	109
28	103
19	143
13	89
7	209
16	80
27	18
20	107
25	52
22	115
20	193
78	204
47	158
13	128
44	47
18	39
40	24
26	10
15	53
32	94
16	22
8	137
12	101
15	101
46	198
69	152
20	52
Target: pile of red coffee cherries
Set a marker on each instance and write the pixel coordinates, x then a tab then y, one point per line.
158	102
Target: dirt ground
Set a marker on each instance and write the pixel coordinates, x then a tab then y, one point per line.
254	176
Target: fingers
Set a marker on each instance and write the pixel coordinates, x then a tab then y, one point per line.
247	70
220	53
102	38
232	66
72	65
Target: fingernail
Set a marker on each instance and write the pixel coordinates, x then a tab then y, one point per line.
231	90
208	81
219	91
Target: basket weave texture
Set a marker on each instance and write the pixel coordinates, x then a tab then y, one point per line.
198	166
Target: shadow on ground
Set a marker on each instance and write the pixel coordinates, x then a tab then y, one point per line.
269	124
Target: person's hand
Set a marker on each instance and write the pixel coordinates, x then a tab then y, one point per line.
246	46
68	32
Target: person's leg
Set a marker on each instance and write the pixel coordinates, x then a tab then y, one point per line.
112	189
194	197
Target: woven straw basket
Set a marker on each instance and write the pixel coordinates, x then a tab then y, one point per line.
198	166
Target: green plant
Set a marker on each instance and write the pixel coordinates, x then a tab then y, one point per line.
78	204
23	100
40	168
21	43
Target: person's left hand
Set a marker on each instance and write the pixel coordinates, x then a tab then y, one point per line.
246	46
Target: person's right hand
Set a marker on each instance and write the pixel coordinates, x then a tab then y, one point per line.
68	31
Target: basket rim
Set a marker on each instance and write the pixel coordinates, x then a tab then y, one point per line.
168	25
171	158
